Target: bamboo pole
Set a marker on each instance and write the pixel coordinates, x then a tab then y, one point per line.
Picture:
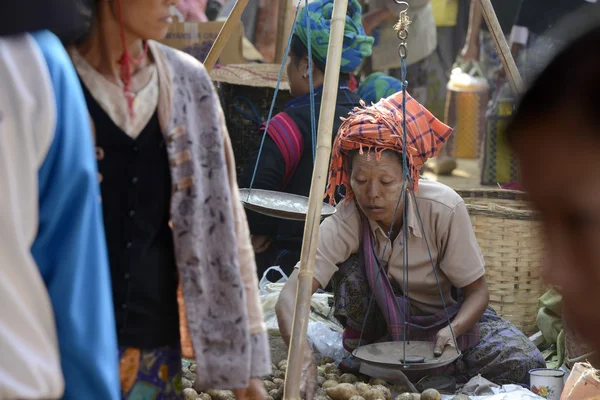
512	72
315	201
284	27
232	20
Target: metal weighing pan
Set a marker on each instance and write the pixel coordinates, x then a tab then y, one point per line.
389	355
280	205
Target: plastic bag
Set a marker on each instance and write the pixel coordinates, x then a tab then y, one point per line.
262	285
326	341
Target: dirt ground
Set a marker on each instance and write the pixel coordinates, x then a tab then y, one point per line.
465	176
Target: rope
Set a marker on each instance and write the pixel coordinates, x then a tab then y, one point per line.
402	31
262	142
255	116
313	129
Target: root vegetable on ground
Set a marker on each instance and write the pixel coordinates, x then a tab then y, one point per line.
220	394
333	377
357	398
348	378
461	397
385	391
330	384
376	381
409	396
343	391
362	388
203	396
279	382
269	386
279	374
374	394
321	380
431	394
276	394
189	394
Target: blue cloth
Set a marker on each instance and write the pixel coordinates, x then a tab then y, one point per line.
70	247
357	44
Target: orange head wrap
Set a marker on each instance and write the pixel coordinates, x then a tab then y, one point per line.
378	128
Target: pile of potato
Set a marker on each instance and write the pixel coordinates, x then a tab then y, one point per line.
332	385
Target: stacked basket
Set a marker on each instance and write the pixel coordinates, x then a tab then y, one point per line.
509	235
246	93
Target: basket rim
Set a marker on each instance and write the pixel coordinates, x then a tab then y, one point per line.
498	211
500	194
255	75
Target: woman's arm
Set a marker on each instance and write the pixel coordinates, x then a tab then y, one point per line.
471	49
373	19
476	299
286	305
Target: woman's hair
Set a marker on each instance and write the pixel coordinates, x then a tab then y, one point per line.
353	153
86	10
571	79
299	51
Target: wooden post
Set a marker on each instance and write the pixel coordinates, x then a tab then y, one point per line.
284	27
514	77
232	20
315	201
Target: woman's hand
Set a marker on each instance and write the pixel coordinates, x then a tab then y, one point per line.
476	298
443	339
254	391
260	243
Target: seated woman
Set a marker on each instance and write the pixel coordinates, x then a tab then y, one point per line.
286	161
366	159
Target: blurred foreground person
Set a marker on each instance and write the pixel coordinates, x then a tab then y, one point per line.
182	266
556	135
57	332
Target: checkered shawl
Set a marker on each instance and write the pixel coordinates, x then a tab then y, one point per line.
379	127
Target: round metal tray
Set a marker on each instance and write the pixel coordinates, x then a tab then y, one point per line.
279	204
390	355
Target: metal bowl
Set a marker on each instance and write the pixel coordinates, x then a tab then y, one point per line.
390	355
279	204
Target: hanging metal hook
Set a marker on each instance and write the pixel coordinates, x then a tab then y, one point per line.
403	3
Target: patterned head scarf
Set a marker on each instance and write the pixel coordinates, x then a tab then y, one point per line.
378	86
357	44
378	128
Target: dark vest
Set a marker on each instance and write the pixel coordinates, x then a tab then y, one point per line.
136	195
291	232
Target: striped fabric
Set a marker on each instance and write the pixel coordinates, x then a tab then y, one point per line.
379	127
288	138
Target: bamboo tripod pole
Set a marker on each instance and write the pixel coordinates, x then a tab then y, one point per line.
232	20
514	77
315	201
284	28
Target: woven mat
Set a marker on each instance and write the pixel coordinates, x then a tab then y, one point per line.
257	75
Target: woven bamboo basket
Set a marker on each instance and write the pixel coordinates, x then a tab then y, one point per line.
246	92
509	235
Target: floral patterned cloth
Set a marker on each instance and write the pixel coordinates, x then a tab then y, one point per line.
150	374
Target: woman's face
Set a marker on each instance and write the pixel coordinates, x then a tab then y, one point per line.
146	19
296	69
377	185
560	160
